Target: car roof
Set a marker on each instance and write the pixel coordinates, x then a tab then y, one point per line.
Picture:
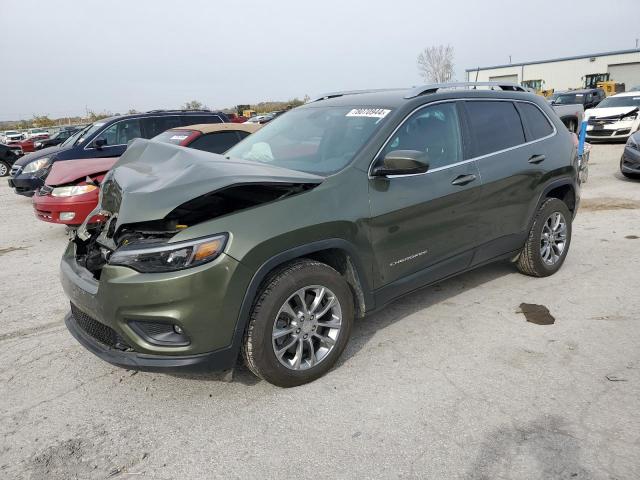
161	113
579	90
219	127
626	94
397	97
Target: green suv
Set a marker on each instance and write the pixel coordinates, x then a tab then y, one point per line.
328	213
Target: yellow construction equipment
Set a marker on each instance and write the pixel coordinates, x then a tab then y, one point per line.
610	87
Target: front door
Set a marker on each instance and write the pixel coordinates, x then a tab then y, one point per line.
426	220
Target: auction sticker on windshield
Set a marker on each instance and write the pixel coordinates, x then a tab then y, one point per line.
368	112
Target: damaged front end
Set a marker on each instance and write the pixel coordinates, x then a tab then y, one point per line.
157	190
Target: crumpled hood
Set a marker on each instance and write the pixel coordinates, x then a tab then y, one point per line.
151	179
45	152
609	112
68	171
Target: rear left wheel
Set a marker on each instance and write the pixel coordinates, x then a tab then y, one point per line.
548	241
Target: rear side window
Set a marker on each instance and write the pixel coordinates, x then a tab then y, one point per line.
217	142
536	122
155	125
494	126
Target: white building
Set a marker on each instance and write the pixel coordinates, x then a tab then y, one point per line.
622	66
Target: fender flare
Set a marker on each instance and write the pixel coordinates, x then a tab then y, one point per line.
560	182
283	257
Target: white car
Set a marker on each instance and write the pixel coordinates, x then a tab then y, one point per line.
37	133
11	136
616	117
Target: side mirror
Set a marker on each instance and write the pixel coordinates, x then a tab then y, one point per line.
98	143
401	162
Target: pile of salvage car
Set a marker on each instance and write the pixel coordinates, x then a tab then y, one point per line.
66	191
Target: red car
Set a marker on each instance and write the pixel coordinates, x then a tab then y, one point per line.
71	189
28	145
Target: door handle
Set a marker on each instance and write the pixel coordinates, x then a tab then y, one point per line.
463	179
536	159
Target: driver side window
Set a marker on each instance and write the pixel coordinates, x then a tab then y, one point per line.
121	132
434	130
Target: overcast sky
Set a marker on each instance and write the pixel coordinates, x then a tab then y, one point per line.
62	56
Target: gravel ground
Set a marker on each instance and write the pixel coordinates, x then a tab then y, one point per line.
450	382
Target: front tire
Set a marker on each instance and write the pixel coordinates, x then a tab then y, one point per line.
4	168
299	325
548	242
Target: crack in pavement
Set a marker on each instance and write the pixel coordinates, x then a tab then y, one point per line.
28	331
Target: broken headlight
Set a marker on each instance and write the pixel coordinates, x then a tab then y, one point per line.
169	257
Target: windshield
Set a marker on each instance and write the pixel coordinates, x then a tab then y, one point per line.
319	140
175	137
568	98
37	130
620	101
11	132
73	138
83	134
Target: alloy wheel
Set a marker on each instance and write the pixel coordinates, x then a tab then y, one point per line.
3	169
554	238
306	328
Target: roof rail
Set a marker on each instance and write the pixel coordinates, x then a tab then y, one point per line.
326	96
161	110
429	89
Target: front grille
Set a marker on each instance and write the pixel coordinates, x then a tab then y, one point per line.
600	133
102	333
602	121
15	170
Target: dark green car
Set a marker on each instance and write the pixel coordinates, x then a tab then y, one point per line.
326	214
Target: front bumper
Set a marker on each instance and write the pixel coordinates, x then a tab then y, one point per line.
25	184
630	161
610	131
48	208
204	301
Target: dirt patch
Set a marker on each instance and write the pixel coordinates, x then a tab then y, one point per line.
608	203
538	314
4	251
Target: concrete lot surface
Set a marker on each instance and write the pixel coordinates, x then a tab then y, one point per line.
448	383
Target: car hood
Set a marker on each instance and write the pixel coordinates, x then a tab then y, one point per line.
68	171
151	179
30	157
610	112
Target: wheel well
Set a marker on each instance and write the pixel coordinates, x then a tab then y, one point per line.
340	261
564	193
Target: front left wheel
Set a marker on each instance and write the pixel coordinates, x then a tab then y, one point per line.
299	325
4	169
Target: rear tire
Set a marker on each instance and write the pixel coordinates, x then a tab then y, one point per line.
299	325
4	168
548	242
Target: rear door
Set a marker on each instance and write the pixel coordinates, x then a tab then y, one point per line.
511	158
430	219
